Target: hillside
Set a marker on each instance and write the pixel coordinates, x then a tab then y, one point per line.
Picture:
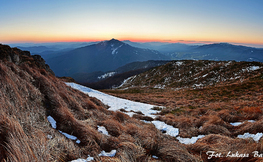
103	56
99	76
195	74
43	119
225	110
115	78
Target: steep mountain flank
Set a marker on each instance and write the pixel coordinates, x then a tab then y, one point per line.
31	98
116	77
104	56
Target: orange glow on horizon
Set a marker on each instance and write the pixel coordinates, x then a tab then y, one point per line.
47	39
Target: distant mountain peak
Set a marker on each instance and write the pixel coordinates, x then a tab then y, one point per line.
114	39
112	42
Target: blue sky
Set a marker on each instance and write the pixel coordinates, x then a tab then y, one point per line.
236	21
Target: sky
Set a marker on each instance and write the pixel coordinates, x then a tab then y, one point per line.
185	21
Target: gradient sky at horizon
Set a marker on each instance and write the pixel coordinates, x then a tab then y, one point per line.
233	21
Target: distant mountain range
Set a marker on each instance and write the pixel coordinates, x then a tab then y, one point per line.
86	61
216	51
220	52
104	56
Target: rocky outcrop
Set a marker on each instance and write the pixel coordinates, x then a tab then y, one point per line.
20	57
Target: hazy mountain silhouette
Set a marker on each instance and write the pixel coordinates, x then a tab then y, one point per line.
103	56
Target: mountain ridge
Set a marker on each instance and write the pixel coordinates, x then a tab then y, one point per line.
195	74
103	56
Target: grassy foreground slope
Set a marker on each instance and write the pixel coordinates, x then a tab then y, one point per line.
231	92
29	94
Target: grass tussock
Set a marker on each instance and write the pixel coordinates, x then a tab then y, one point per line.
113	126
128	151
16	146
226	146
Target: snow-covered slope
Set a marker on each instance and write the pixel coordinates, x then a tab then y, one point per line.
116	103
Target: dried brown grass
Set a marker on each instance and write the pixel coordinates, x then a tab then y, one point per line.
28	95
113	127
17	146
224	145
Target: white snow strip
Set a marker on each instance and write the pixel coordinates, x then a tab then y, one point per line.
114	50
52	122
49	137
155	157
256	137
68	135
84	160
170	130
204	75
252	68
189	140
116	103
126	81
106	75
179	63
159	86
238	123
109	154
103	130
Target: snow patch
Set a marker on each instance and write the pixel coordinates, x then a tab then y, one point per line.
189	140
106	75
116	103
251	68
168	129
53	122
155	157
256	137
238	123
109	154
114	50
159	86
49	137
103	130
179	63
126	81
204	75
84	160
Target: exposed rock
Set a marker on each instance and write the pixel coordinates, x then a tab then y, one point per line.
20	57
